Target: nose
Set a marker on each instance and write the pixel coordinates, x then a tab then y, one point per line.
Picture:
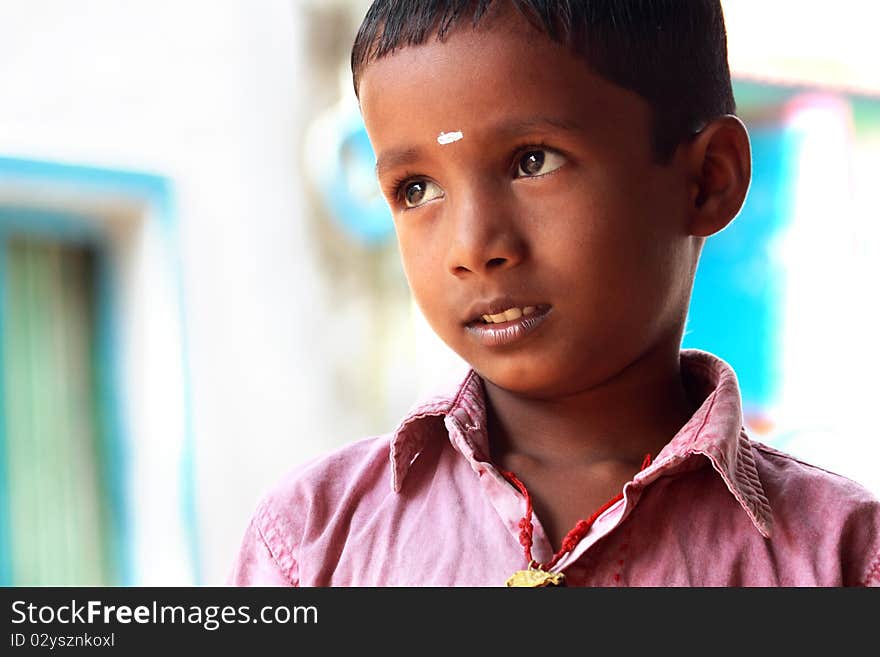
484	236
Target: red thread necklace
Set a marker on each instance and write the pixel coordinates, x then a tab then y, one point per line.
538	574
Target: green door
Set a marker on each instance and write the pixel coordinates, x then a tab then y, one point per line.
59	521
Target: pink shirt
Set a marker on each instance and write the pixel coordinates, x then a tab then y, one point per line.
424	506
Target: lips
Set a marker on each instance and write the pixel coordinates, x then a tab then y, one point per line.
495	333
502	309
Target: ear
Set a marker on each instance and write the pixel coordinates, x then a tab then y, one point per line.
719	170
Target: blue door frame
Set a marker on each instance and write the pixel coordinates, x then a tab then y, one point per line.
156	195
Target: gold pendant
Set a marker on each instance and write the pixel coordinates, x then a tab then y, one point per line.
535	577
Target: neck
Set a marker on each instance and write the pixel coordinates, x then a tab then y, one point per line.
619	420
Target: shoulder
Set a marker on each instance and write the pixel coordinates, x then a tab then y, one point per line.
332	475
787	474
303	502
812	505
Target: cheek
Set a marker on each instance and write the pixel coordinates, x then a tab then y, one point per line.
407	246
586	235
420	267
608	249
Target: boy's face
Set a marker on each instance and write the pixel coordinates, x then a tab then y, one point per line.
549	198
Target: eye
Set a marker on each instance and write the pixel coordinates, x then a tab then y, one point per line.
419	192
538	162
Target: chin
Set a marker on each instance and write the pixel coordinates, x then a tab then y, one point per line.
539	383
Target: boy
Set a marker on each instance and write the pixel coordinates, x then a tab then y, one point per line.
553	169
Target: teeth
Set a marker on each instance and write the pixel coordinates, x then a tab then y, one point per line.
509	315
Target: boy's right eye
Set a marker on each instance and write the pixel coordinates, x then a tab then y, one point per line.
419	192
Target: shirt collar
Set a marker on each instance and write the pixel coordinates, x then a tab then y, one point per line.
465	405
715	431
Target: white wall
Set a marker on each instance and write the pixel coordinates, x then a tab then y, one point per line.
207	93
808	42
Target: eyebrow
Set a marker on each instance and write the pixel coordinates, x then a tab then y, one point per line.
398	157
538	123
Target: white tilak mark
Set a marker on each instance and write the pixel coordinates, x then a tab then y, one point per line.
449	137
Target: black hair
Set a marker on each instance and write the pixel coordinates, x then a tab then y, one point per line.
673	53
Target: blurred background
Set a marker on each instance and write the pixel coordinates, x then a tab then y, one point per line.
200	288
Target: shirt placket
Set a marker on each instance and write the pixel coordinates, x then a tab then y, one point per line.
604	525
508	502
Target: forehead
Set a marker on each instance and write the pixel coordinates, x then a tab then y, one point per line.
503	72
